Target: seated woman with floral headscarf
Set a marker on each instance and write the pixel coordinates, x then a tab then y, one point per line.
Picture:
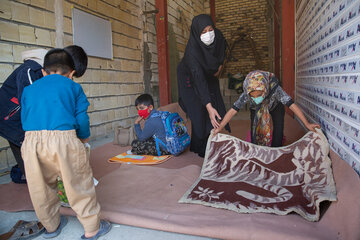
267	100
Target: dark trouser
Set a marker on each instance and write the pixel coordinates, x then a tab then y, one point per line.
146	147
277	116
191	102
198	145
16	150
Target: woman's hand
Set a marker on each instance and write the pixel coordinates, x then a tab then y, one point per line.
312	126
228	116
213	114
216	131
218	72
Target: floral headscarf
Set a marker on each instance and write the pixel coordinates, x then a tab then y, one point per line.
261	130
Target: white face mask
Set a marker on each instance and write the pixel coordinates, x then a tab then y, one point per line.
208	38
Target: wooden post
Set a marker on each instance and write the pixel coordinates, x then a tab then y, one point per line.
212	10
163	52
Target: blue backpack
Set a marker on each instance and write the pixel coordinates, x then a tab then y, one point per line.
177	138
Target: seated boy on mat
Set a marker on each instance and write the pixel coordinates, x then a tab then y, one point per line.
267	100
54	117
153	127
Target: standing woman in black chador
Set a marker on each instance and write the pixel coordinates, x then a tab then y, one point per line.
197	74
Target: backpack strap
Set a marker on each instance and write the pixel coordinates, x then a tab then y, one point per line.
157	114
158	142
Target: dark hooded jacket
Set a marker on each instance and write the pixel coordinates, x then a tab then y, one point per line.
10	96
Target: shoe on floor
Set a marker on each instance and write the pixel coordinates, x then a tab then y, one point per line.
104	228
24	230
63	222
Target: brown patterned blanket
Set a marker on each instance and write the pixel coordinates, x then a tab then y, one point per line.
246	178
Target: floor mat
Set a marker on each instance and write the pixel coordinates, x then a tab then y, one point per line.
248	178
147	196
138	159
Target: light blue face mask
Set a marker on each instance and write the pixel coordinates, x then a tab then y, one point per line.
258	100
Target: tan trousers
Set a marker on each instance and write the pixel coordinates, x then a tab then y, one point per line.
49	154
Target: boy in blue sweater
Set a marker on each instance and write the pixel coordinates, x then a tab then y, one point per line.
10	98
54	118
153	127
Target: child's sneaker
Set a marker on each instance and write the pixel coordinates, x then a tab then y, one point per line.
104	228
63	222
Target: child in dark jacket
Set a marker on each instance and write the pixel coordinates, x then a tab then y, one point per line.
10	96
153	128
11	92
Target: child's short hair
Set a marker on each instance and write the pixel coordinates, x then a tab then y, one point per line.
79	57
58	60
145	99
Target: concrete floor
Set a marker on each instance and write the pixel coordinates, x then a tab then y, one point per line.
74	230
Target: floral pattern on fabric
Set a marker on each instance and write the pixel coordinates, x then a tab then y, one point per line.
246	178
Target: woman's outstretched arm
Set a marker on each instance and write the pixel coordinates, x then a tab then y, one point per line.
301	116
228	116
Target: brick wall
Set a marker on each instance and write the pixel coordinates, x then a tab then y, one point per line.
149	51
252	19
180	15
24	25
207	6
113	85
110	85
